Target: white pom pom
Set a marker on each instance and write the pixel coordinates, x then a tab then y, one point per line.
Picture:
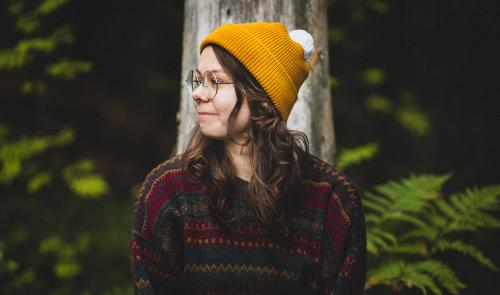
305	39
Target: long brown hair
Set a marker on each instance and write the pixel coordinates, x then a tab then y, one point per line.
275	156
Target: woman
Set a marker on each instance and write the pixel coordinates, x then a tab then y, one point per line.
246	209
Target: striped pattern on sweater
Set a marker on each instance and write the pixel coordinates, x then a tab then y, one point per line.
177	248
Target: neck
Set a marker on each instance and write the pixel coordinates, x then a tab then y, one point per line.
240	158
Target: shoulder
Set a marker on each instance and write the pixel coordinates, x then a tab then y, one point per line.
344	193
166	171
323	171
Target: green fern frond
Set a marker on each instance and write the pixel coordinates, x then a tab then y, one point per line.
385	274
417	248
411	194
371	204
468	210
356	155
436	220
400	216
423	233
424	275
399	274
378	239
419	279
442	273
466	249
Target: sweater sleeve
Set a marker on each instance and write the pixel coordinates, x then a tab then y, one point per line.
155	259
344	242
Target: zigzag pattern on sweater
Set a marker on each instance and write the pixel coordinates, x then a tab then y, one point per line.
236	268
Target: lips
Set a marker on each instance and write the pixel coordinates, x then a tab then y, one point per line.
206	113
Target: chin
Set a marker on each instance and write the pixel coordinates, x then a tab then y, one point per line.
213	135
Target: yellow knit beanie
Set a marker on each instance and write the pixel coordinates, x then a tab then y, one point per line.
269	53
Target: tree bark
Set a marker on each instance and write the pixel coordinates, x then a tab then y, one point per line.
312	113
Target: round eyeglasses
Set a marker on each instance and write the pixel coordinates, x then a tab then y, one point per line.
209	82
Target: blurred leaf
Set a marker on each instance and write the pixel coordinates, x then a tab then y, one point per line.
83	181
25	278
16	7
11	59
68	69
373	76
160	82
28	22
51	244
334	82
379	6
378	103
12	154
67	269
22	53
358	16
356	155
411	117
336	35
6	265
34	86
49	6
38	181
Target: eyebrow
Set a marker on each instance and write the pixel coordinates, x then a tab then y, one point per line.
215	71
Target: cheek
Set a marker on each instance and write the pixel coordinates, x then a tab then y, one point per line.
243	116
225	106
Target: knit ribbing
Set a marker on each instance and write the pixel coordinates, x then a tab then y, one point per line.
269	54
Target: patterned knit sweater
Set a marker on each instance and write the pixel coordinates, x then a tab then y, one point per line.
177	248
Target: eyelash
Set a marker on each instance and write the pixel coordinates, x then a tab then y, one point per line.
214	81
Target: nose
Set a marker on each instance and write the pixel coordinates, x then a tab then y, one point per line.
198	95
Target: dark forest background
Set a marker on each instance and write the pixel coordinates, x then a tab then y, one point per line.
419	78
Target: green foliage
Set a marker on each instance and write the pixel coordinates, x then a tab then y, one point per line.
425	275
37	87
20	160
410	220
23	53
411	117
29	21
38	181
49	234
334	82
83	181
373	76
6	265
14	153
67	265
68	69
37	45
356	155
378	103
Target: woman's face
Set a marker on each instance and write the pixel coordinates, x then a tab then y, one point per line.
212	114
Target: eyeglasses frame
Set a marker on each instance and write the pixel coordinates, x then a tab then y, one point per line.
203	83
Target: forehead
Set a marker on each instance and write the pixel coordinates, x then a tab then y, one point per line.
209	62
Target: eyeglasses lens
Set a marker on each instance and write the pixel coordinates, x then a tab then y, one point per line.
194	80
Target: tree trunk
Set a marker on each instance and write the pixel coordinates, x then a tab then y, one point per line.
312	113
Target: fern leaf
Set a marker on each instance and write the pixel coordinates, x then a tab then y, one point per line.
356	155
418	248
442	273
400	216
426	233
466	249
